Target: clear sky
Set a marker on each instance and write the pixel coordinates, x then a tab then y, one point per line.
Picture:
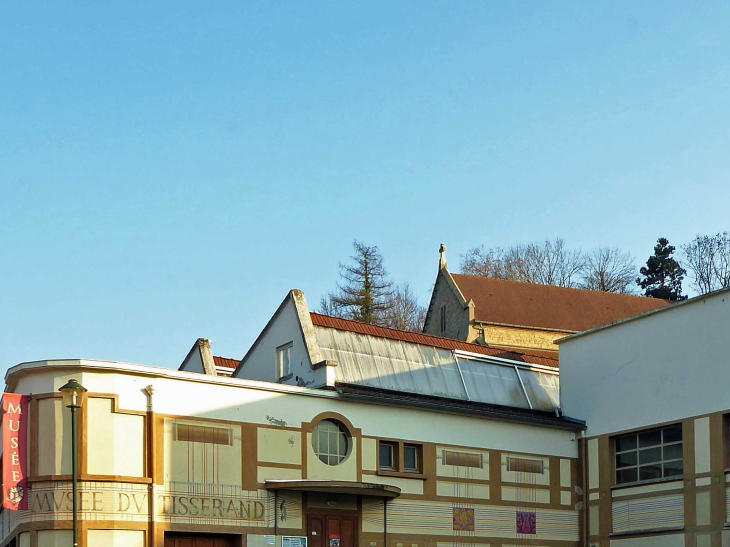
169	170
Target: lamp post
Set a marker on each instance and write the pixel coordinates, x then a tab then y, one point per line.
73	398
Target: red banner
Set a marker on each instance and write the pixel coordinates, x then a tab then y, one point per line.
15	452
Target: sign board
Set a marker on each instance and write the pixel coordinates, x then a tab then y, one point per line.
15	451
293	541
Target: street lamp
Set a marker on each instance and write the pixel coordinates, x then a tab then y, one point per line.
73	394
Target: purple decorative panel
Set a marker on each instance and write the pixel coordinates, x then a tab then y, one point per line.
526	522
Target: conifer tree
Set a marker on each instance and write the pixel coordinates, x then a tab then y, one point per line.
663	275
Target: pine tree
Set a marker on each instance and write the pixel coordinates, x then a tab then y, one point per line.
662	274
366	294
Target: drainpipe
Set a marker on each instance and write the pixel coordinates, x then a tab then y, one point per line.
584	466
276	512
152	460
385	522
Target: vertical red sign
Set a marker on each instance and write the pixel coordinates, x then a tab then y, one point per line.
15	451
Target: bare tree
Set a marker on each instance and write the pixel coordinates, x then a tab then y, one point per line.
545	263
610	270
366	294
708	260
405	312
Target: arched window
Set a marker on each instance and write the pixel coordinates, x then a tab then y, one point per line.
331	442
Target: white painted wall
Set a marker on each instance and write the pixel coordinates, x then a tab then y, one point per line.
195	395
261	362
663	367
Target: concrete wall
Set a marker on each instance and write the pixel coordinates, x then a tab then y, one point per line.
664	367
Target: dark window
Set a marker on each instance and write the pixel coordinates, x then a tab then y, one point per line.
411	458
387	456
649	455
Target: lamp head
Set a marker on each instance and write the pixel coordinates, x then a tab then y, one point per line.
72	394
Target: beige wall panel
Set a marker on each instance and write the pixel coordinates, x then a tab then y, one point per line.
594	520
702	445
565	498
461	472
703	508
669	540
704	481
726	538
54	448
543	479
369	454
593	463
24	539
565	475
407	486
55	538
197	462
462	490
279	446
116	538
120	435
527	495
648	489
317	470
277	473
704	540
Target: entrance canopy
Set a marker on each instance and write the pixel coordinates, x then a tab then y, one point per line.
337	487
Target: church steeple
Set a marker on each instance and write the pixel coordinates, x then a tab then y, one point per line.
442	257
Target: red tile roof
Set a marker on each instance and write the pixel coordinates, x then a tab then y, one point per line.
545	306
226	362
534	357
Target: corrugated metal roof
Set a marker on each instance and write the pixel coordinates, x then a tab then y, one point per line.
535	358
398	364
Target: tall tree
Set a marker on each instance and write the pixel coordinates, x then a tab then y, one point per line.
366	292
405	313
546	263
610	270
663	275
708	260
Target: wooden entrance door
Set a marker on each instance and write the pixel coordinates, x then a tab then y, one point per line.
331	531
202	540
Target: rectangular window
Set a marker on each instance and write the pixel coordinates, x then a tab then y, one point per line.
411	458
387	456
462	459
203	434
443	318
283	360
525	465
649	455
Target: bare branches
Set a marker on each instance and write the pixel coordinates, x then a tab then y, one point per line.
405	313
708	260
610	270
546	263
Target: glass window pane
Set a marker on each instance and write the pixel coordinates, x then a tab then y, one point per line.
342	444
651	438
626	459
410	458
673	469
673	452
626	475
650	472
627	442
386	456
672	434
650	455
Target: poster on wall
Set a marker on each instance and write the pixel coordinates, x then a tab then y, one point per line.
294	541
15	447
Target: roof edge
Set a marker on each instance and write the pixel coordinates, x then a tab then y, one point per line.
644	315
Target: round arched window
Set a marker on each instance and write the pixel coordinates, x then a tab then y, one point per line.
330	442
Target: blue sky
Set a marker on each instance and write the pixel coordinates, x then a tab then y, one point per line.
169	170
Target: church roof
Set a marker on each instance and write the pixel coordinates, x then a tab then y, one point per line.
548	307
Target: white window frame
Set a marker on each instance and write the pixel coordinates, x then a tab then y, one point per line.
283	369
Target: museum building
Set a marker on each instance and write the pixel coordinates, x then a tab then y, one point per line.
328	433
